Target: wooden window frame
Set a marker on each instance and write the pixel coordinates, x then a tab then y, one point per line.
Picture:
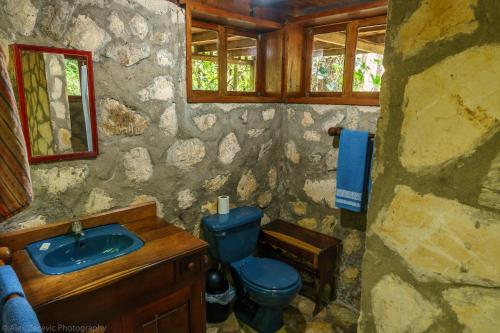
282	70
222	94
347	96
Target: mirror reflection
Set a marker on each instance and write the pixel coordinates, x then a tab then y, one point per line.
56	90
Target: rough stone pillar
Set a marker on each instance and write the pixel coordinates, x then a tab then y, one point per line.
432	252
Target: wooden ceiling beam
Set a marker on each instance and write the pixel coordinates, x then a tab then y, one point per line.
231	45
319	45
202	38
242	53
230	61
344	14
338	38
378	39
328	52
241	44
219	15
234	53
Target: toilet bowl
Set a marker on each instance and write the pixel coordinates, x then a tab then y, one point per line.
264	286
267	282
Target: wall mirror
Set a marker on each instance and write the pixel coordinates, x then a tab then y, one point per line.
56	102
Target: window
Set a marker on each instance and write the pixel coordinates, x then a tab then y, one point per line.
368	67
241	63
345	61
328	59
224	63
205	61
72	77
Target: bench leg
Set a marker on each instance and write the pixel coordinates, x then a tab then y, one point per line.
333	291
320	286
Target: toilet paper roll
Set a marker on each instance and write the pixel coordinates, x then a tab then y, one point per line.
223	204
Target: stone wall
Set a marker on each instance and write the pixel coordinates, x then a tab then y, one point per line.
308	182
432	252
155	146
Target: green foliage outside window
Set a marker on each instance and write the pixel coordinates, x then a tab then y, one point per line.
240	78
205	75
327	74
368	72
72	77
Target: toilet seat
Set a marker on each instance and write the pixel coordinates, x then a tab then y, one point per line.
269	275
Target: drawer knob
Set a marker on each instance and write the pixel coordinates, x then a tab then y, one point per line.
205	259
191	266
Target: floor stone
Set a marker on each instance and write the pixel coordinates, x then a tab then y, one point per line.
298	318
343	317
305	306
212	329
319	327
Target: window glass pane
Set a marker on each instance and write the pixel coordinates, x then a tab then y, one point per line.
241	63
368	68
72	77
205	65
328	62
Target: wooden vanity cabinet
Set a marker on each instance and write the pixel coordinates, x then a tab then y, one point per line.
168	297
182	311
157	288
169	314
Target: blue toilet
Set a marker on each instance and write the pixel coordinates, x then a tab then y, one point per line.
264	286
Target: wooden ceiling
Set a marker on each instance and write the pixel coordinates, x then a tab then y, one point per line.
295	8
279	10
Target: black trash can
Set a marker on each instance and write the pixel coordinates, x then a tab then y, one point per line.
219	294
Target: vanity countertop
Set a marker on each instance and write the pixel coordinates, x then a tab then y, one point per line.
163	242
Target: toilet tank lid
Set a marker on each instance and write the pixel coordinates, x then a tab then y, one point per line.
236	217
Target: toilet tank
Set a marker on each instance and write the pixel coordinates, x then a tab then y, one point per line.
232	236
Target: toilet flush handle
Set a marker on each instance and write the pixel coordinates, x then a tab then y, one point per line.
221	234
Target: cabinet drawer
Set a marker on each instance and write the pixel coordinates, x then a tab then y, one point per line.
176	320
188	267
112	300
169	314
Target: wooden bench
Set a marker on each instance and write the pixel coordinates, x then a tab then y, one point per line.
306	250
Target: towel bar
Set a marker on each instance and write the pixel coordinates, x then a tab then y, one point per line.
335	131
5	258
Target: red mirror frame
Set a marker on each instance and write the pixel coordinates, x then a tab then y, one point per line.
17	48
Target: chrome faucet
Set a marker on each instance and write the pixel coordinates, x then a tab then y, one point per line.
77	229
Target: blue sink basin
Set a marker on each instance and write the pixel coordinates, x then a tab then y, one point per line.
69	253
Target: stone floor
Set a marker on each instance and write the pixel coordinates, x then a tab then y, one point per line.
334	318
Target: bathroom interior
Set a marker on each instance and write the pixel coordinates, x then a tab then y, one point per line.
247	166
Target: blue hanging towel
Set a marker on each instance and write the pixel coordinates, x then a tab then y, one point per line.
353	169
9	284
371	151
18	317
